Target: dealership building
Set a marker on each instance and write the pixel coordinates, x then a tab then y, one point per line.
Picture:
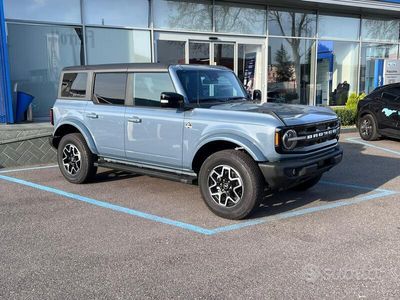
294	51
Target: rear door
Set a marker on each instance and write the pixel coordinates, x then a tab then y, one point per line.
153	135
104	115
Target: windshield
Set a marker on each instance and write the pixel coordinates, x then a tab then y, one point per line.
211	86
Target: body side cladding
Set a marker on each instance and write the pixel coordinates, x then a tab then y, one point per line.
82	129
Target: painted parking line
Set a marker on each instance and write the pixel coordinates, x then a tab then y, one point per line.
28	169
362	142
377	193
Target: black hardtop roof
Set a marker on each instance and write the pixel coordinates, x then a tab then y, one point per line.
139	66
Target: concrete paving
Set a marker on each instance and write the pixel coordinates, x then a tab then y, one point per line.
127	236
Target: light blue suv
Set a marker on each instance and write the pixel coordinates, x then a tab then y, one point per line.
194	124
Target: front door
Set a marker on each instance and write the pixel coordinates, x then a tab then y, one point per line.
245	56
153	135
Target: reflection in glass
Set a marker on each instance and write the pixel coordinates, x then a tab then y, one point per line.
109	88
105	45
336	72
370	52
290	23
224	55
199	53
170	52
338	27
37	71
289	70
117	12
190	15
147	88
380	30
250	66
41	10
239	19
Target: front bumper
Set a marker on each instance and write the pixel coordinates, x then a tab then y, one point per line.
288	173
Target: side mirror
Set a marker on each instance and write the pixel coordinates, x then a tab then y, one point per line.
171	100
257	95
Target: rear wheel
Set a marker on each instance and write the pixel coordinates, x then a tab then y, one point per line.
367	128
307	184
75	160
231	184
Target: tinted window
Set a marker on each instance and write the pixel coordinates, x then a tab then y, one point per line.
209	86
109	88
147	88
391	94
74	85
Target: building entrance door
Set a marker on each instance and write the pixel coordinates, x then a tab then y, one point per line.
245	56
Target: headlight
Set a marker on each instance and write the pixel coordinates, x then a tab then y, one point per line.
289	141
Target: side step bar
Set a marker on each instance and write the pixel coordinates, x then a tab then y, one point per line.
147	171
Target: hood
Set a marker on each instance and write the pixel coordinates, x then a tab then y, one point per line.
289	114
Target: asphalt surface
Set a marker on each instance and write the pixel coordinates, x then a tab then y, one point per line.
128	236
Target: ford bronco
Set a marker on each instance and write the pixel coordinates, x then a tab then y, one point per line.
191	123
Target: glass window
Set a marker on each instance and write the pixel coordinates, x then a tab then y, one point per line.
337	71
370	52
250	67
117	12
74	85
52	11
190	15
290	70
240	19
199	53
105	45
339	27
224	55
109	88
37	71
291	23
209	87
171	52
147	88
380	30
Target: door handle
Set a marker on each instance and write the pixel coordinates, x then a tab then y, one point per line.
92	115
135	120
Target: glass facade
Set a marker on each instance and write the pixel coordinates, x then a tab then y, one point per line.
289	70
295	56
240	19
110	45
185	15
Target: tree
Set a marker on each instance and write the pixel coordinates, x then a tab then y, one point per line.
284	67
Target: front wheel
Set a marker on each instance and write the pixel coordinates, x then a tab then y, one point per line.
367	128
231	184
75	160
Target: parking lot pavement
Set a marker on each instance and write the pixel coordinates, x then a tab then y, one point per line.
128	236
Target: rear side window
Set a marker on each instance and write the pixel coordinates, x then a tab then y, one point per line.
74	85
109	88
147	88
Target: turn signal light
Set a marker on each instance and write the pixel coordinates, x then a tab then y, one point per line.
51	117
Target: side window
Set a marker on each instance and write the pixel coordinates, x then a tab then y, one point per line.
74	85
109	88
391	94
147	88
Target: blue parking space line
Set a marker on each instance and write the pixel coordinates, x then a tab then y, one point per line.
27	169
378	193
109	205
360	141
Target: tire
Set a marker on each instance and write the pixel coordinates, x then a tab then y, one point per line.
367	128
75	160
236	182
307	184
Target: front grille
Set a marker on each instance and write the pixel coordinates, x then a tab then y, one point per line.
313	134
